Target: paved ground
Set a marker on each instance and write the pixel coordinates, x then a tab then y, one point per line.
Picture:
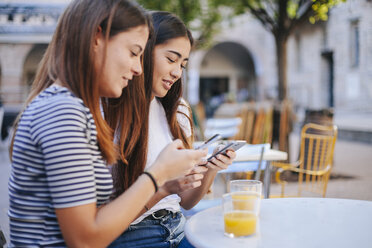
351	159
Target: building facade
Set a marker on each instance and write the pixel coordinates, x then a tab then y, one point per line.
25	31
329	63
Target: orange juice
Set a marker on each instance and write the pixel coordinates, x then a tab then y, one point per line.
244	201
239	223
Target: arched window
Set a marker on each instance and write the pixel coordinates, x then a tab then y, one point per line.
227	73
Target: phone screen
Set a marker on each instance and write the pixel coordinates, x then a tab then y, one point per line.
223	150
210	141
234	145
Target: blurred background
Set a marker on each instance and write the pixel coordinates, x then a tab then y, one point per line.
271	65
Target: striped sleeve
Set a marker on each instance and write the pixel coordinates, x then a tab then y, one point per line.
60	131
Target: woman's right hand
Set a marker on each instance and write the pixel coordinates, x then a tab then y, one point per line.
175	161
184	183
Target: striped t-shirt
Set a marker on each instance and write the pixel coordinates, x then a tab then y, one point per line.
56	163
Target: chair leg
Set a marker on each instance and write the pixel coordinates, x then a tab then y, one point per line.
2	239
281	182
258	172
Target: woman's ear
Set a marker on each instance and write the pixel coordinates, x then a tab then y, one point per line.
98	39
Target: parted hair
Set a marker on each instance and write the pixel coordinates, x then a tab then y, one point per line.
166	26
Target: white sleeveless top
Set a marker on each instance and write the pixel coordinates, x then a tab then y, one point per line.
159	137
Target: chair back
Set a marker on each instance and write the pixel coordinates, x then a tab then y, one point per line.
198	116
316	157
263	124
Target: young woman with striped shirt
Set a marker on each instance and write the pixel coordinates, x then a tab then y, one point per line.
59	184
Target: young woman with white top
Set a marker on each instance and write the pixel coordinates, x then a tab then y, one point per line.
161	222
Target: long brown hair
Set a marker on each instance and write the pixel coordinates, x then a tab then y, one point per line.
129	116
167	26
70	58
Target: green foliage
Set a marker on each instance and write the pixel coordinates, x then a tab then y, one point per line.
292	9
321	9
280	17
204	16
202	21
187	10
270	13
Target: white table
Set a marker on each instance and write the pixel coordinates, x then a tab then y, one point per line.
250	153
253	153
291	222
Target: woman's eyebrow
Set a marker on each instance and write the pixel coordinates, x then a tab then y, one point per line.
177	53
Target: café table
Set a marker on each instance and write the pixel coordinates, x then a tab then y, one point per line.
247	158
291	222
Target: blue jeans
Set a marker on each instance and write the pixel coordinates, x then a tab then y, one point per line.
166	232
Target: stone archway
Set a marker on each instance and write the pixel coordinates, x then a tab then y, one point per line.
227	73
30	65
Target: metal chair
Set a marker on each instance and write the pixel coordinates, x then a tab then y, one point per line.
316	158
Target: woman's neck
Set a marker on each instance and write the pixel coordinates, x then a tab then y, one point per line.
57	83
152	97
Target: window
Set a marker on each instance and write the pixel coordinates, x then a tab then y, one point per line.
354	44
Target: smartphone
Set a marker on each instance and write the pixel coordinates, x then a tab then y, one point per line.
233	145
210	141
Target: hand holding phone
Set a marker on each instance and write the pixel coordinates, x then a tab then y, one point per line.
233	145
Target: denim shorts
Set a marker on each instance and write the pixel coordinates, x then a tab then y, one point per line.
155	233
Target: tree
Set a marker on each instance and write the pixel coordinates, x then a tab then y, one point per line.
202	19
280	17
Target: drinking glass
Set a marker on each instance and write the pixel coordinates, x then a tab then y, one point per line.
253	186
240	212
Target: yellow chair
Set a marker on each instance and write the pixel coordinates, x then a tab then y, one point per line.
316	159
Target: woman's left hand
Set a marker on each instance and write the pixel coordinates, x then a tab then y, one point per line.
221	161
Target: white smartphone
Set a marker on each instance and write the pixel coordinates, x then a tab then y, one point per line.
210	141
233	145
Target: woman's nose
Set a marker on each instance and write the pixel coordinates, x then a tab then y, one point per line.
137	67
176	73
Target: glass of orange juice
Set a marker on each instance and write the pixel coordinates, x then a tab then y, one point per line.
240	212
251	190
